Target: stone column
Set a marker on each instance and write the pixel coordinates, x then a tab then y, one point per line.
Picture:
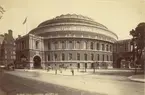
66	44
88	44
100	46
94	45
74	44
82	44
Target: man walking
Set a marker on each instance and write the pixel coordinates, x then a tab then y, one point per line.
55	69
72	70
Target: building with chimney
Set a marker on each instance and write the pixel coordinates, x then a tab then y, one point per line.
7	51
1	41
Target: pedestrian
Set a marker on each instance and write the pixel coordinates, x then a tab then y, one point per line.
60	70
55	69
72	70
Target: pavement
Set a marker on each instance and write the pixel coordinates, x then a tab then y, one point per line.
62	72
103	84
120	72
137	78
15	85
101	72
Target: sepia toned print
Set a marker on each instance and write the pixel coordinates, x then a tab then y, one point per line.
72	47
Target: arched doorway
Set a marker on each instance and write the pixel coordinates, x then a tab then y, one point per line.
118	62
78	65
37	62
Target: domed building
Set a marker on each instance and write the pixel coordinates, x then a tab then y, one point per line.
68	40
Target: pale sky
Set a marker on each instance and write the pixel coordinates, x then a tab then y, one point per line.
120	16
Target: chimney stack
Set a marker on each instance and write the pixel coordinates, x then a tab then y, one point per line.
5	34
10	32
19	36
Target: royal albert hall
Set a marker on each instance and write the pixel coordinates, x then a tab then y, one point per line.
69	40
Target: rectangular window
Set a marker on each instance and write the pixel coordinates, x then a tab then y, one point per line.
98	57
103	57
92	56
111	58
55	57
78	56
98	46
91	46
37	44
107	58
85	56
63	56
63	45
48	57
110	48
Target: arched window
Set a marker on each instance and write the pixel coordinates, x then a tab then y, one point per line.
107	48
92	56
103	48
98	46
85	56
78	45
78	56
63	56
91	46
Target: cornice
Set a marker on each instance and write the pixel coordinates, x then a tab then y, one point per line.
61	28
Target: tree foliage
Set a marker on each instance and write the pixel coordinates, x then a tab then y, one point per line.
138	42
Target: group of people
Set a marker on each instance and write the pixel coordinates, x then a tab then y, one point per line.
59	67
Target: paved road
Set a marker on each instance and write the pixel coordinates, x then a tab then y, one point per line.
105	85
14	85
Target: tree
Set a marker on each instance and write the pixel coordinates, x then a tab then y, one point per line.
2	10
138	43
